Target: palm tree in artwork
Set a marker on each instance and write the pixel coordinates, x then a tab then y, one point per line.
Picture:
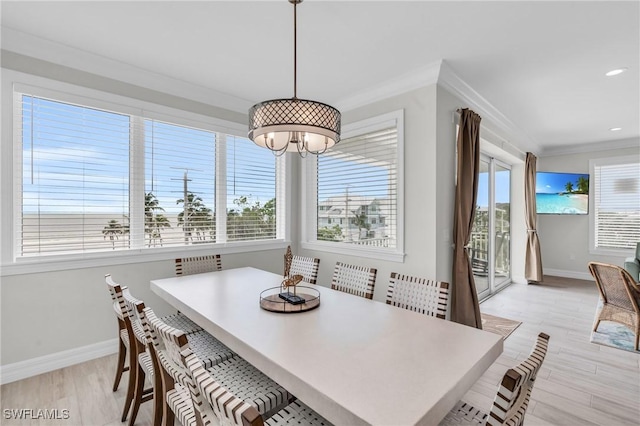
154	221
569	187
583	185
113	230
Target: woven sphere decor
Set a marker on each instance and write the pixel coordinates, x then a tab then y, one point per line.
294	125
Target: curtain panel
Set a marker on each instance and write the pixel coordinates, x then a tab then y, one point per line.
533	258
465	308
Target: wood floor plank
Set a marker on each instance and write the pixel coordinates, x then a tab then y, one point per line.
578	377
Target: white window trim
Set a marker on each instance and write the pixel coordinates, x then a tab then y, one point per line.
14	82
592	206
310	196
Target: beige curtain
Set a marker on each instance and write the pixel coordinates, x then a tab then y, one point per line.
533	259
464	307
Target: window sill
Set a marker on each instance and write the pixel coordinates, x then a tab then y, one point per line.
89	260
391	255
612	252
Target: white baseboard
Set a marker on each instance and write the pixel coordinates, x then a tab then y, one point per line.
43	364
568	274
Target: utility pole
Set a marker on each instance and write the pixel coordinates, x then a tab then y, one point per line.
186	221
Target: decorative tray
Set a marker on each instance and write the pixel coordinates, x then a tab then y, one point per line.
276	299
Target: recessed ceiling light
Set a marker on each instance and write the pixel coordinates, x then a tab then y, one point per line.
615	129
616	72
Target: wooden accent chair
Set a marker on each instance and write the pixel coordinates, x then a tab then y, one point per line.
300	265
236	374
198	264
512	399
358	280
213	403
418	294
620	297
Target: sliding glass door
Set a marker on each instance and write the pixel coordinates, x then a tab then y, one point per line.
490	244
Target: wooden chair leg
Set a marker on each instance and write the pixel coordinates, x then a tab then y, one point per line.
133	373
168	417
595	327
137	396
158	396
120	368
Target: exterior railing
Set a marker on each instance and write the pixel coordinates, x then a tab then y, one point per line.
479	252
375	242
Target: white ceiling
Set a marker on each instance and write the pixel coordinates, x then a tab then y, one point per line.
540	63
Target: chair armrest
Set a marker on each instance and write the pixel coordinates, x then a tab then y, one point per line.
632	266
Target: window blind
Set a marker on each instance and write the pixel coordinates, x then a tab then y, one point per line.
179	165
75	178
89	179
357	190
617	205
251	191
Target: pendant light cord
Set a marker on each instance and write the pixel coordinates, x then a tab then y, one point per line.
295	52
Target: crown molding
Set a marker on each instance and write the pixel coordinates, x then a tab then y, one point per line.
60	54
454	84
407	82
592	147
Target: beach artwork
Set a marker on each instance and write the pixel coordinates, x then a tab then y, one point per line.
562	193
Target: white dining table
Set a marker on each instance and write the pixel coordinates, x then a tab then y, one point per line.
353	360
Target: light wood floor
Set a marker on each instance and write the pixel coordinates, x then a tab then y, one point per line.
579	384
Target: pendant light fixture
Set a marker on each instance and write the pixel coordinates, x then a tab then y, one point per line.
294	125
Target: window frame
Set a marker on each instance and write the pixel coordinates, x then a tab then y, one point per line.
593	163
17	83
310	195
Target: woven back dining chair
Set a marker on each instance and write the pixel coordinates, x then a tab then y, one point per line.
215	404
198	264
619	297
301	265
418	294
352	279
132	344
512	399
236	374
123	336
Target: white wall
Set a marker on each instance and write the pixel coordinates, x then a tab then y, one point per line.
420	176
564	240
46	313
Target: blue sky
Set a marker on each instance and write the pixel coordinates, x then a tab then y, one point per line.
503	182
76	160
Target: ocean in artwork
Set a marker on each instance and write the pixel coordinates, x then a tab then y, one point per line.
562	203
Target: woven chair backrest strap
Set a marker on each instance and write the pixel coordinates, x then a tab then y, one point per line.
212	401
514	393
305	266
418	294
198	264
358	280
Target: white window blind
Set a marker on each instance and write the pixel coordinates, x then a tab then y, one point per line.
617	204
251	191
75	178
179	165
357	190
91	180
